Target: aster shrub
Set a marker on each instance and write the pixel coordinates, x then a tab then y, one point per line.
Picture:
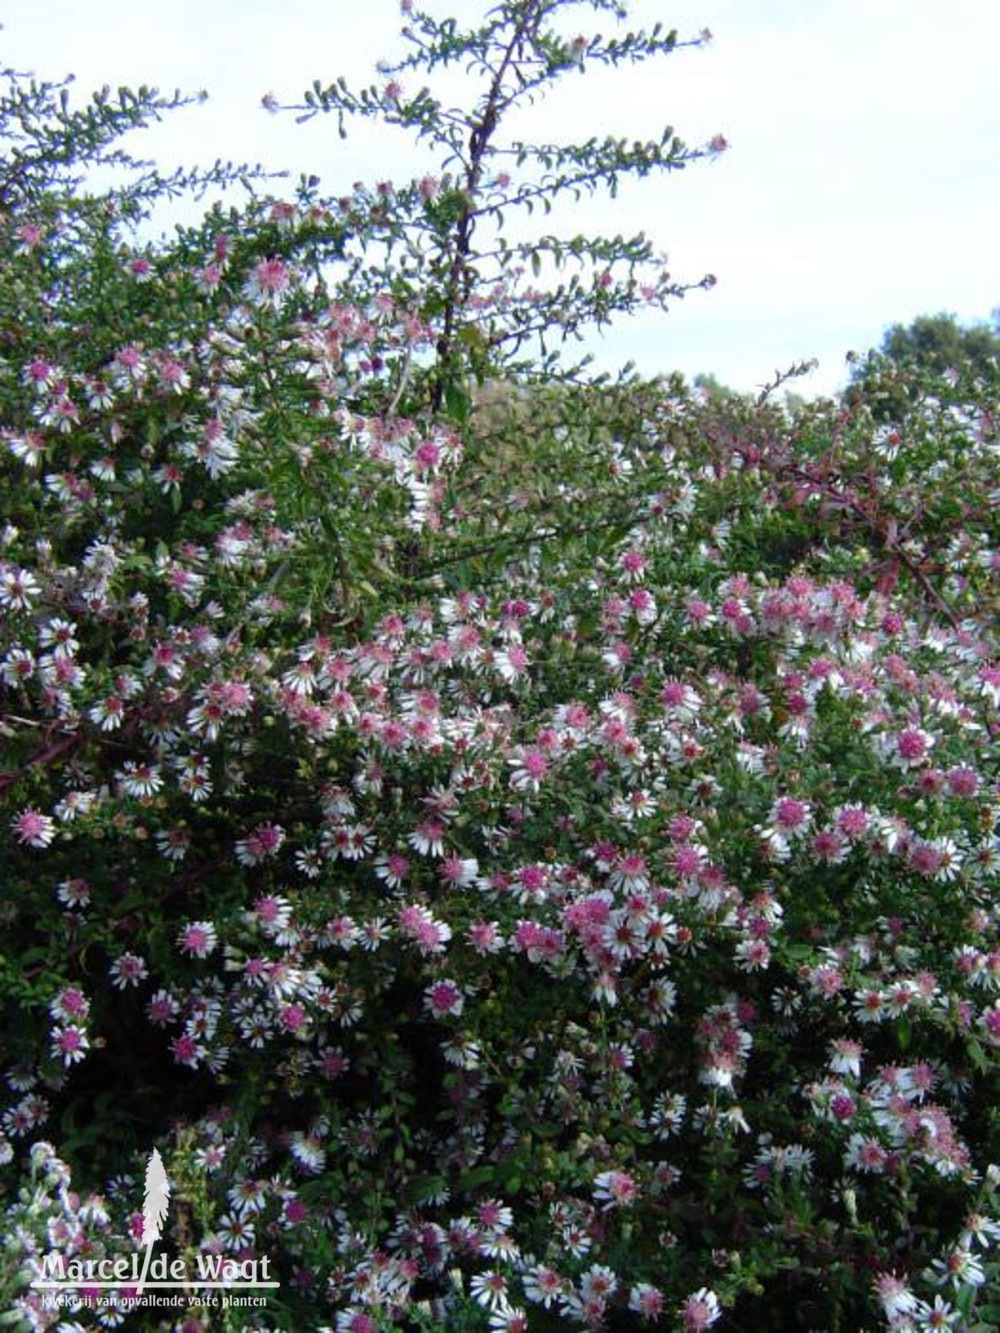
522	847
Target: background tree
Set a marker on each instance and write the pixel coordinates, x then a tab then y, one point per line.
931	344
937	343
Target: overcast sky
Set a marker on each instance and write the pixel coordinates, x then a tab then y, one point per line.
862	186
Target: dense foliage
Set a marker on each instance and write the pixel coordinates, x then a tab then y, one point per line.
524	850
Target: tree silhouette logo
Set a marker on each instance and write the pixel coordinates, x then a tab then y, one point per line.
154	1209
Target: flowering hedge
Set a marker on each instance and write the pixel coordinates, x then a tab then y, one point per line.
564	898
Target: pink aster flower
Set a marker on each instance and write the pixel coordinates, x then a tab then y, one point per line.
529	770
911	746
187	1050
700	1310
894	1295
70	1005
512	662
162	1008
69	1044
647	1301
962	780
615	1189
866	1154
790	815
829	847
852	821
845	1056
74	893
269	280
443	999
273	912
630	873
989	683
293	1018
643	605
197	939
392	869
843	1107
263	841
29	237
632	565
990	1023
33	829
128	970
485	936
417	924
428	839
458	872
426	457
688	862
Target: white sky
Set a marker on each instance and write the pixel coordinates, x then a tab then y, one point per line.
862	186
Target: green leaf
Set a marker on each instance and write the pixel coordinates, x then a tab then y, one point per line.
978	1056
478	1176
457	401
